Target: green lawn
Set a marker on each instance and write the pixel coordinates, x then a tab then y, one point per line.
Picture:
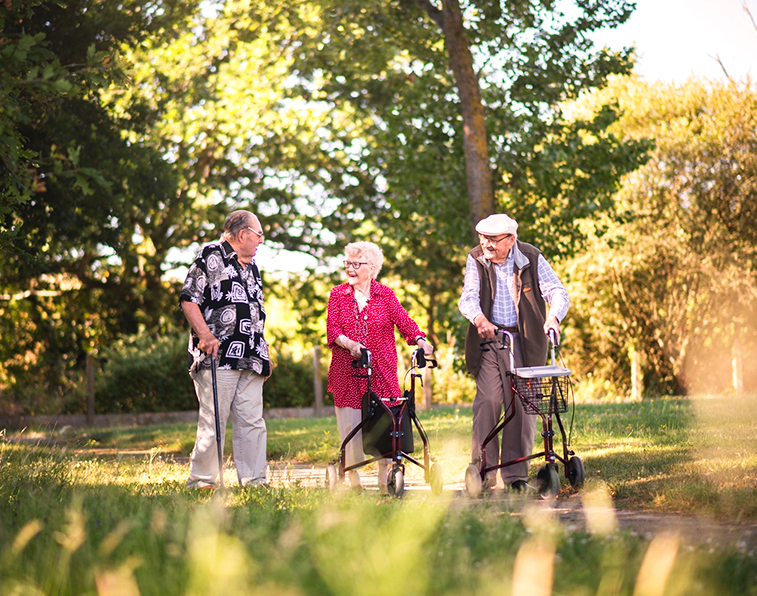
77	519
674	455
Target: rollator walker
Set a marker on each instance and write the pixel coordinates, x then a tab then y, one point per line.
387	430
544	391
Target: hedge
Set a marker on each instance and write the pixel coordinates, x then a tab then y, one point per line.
149	374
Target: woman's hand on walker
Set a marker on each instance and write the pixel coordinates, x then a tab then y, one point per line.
353	347
428	349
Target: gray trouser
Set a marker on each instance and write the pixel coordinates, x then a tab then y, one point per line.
346	420
492	391
240	394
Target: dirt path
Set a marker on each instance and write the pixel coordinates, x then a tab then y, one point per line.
568	509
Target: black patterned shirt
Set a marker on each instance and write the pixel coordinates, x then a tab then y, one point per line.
230	297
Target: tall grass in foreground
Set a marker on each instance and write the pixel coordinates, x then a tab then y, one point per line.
77	525
73	522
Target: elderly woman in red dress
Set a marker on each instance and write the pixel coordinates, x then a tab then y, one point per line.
363	313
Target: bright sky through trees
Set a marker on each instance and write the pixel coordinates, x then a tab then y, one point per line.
676	39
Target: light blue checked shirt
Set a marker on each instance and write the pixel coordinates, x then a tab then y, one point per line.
503	309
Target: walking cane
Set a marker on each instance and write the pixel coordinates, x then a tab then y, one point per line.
218	422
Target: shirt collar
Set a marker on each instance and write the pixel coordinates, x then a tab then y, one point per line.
229	253
376	288
228	250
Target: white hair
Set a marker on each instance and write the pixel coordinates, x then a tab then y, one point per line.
367	252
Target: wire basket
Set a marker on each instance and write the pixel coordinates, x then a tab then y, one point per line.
542	389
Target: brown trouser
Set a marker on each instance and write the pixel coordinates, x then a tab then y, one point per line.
492	391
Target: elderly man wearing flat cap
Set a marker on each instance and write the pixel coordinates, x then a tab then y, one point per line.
508	285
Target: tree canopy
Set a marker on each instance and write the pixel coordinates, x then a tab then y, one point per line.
131	129
677	282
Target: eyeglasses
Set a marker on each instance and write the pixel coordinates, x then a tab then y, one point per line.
355	266
260	234
483	239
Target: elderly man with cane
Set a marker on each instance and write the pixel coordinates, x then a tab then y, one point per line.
222	299
508	285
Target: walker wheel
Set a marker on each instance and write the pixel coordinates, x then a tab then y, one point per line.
576	472
548	482
473	483
396	482
332	477
436	479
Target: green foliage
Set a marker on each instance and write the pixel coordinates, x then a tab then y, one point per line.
149	374
43	363
291	385
84	243
384	68
145	374
333	121
38	79
675	279
386	63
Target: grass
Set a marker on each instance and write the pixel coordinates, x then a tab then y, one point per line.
81	517
695	456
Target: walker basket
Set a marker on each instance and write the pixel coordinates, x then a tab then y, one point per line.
542	389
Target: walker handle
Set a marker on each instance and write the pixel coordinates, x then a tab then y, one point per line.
553	341
365	359
510	347
421	360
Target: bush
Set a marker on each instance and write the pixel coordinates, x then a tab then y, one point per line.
145	374
149	374
291	384
37	392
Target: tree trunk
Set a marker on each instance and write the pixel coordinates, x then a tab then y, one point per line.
477	167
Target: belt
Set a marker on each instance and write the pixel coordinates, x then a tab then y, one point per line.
508	329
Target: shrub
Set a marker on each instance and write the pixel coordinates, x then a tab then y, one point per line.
291	384
149	374
145	374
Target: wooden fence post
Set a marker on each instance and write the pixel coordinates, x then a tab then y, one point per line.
737	367
90	389
427	388
637	375
317	382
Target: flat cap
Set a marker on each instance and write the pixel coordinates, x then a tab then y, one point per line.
496	225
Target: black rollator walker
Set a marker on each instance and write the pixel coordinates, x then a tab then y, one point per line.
543	391
388	432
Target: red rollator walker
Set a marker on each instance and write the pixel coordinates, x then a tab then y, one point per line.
387	427
544	391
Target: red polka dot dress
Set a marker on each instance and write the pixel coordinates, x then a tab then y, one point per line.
374	328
